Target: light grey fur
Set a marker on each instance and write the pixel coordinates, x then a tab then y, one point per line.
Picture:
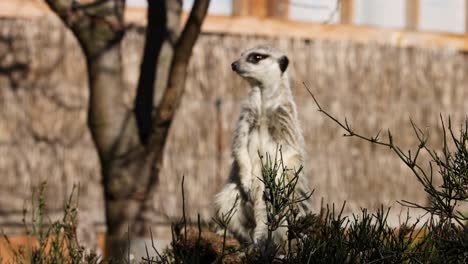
268	119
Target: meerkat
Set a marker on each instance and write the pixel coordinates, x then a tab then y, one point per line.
268	119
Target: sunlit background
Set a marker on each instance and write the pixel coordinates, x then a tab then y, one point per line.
380	63
435	15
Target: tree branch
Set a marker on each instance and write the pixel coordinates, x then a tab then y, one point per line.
192	29
97	25
60	7
178	71
156	33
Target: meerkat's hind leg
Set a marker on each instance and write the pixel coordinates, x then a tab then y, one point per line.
230	205
261	228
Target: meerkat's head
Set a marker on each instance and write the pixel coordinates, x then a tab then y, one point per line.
261	65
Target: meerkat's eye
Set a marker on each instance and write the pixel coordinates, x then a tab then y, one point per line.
256	57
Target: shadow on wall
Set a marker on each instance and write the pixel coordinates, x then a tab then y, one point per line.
11	68
43	133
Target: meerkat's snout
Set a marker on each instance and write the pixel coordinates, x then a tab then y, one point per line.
235	66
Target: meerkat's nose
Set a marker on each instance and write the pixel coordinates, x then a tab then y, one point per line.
235	66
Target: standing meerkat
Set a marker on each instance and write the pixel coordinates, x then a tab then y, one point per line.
268	119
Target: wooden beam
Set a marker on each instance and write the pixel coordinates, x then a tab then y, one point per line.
278	9
261	8
332	32
258	8
412	14
240	7
252	26
346	11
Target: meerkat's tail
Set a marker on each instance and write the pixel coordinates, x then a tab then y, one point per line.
242	222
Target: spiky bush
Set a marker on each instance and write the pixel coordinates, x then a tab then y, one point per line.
51	242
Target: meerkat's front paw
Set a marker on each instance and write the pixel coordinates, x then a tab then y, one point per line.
245	184
246	192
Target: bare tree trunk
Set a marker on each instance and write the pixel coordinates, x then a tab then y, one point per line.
124	160
130	144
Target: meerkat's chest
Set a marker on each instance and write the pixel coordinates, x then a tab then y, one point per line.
261	139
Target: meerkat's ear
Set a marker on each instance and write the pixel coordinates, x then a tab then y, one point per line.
283	63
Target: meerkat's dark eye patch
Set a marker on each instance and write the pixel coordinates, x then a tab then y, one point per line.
256	57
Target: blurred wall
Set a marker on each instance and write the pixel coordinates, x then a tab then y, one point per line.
435	15
43	103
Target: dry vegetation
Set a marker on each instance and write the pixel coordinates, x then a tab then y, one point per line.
43	99
328	237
